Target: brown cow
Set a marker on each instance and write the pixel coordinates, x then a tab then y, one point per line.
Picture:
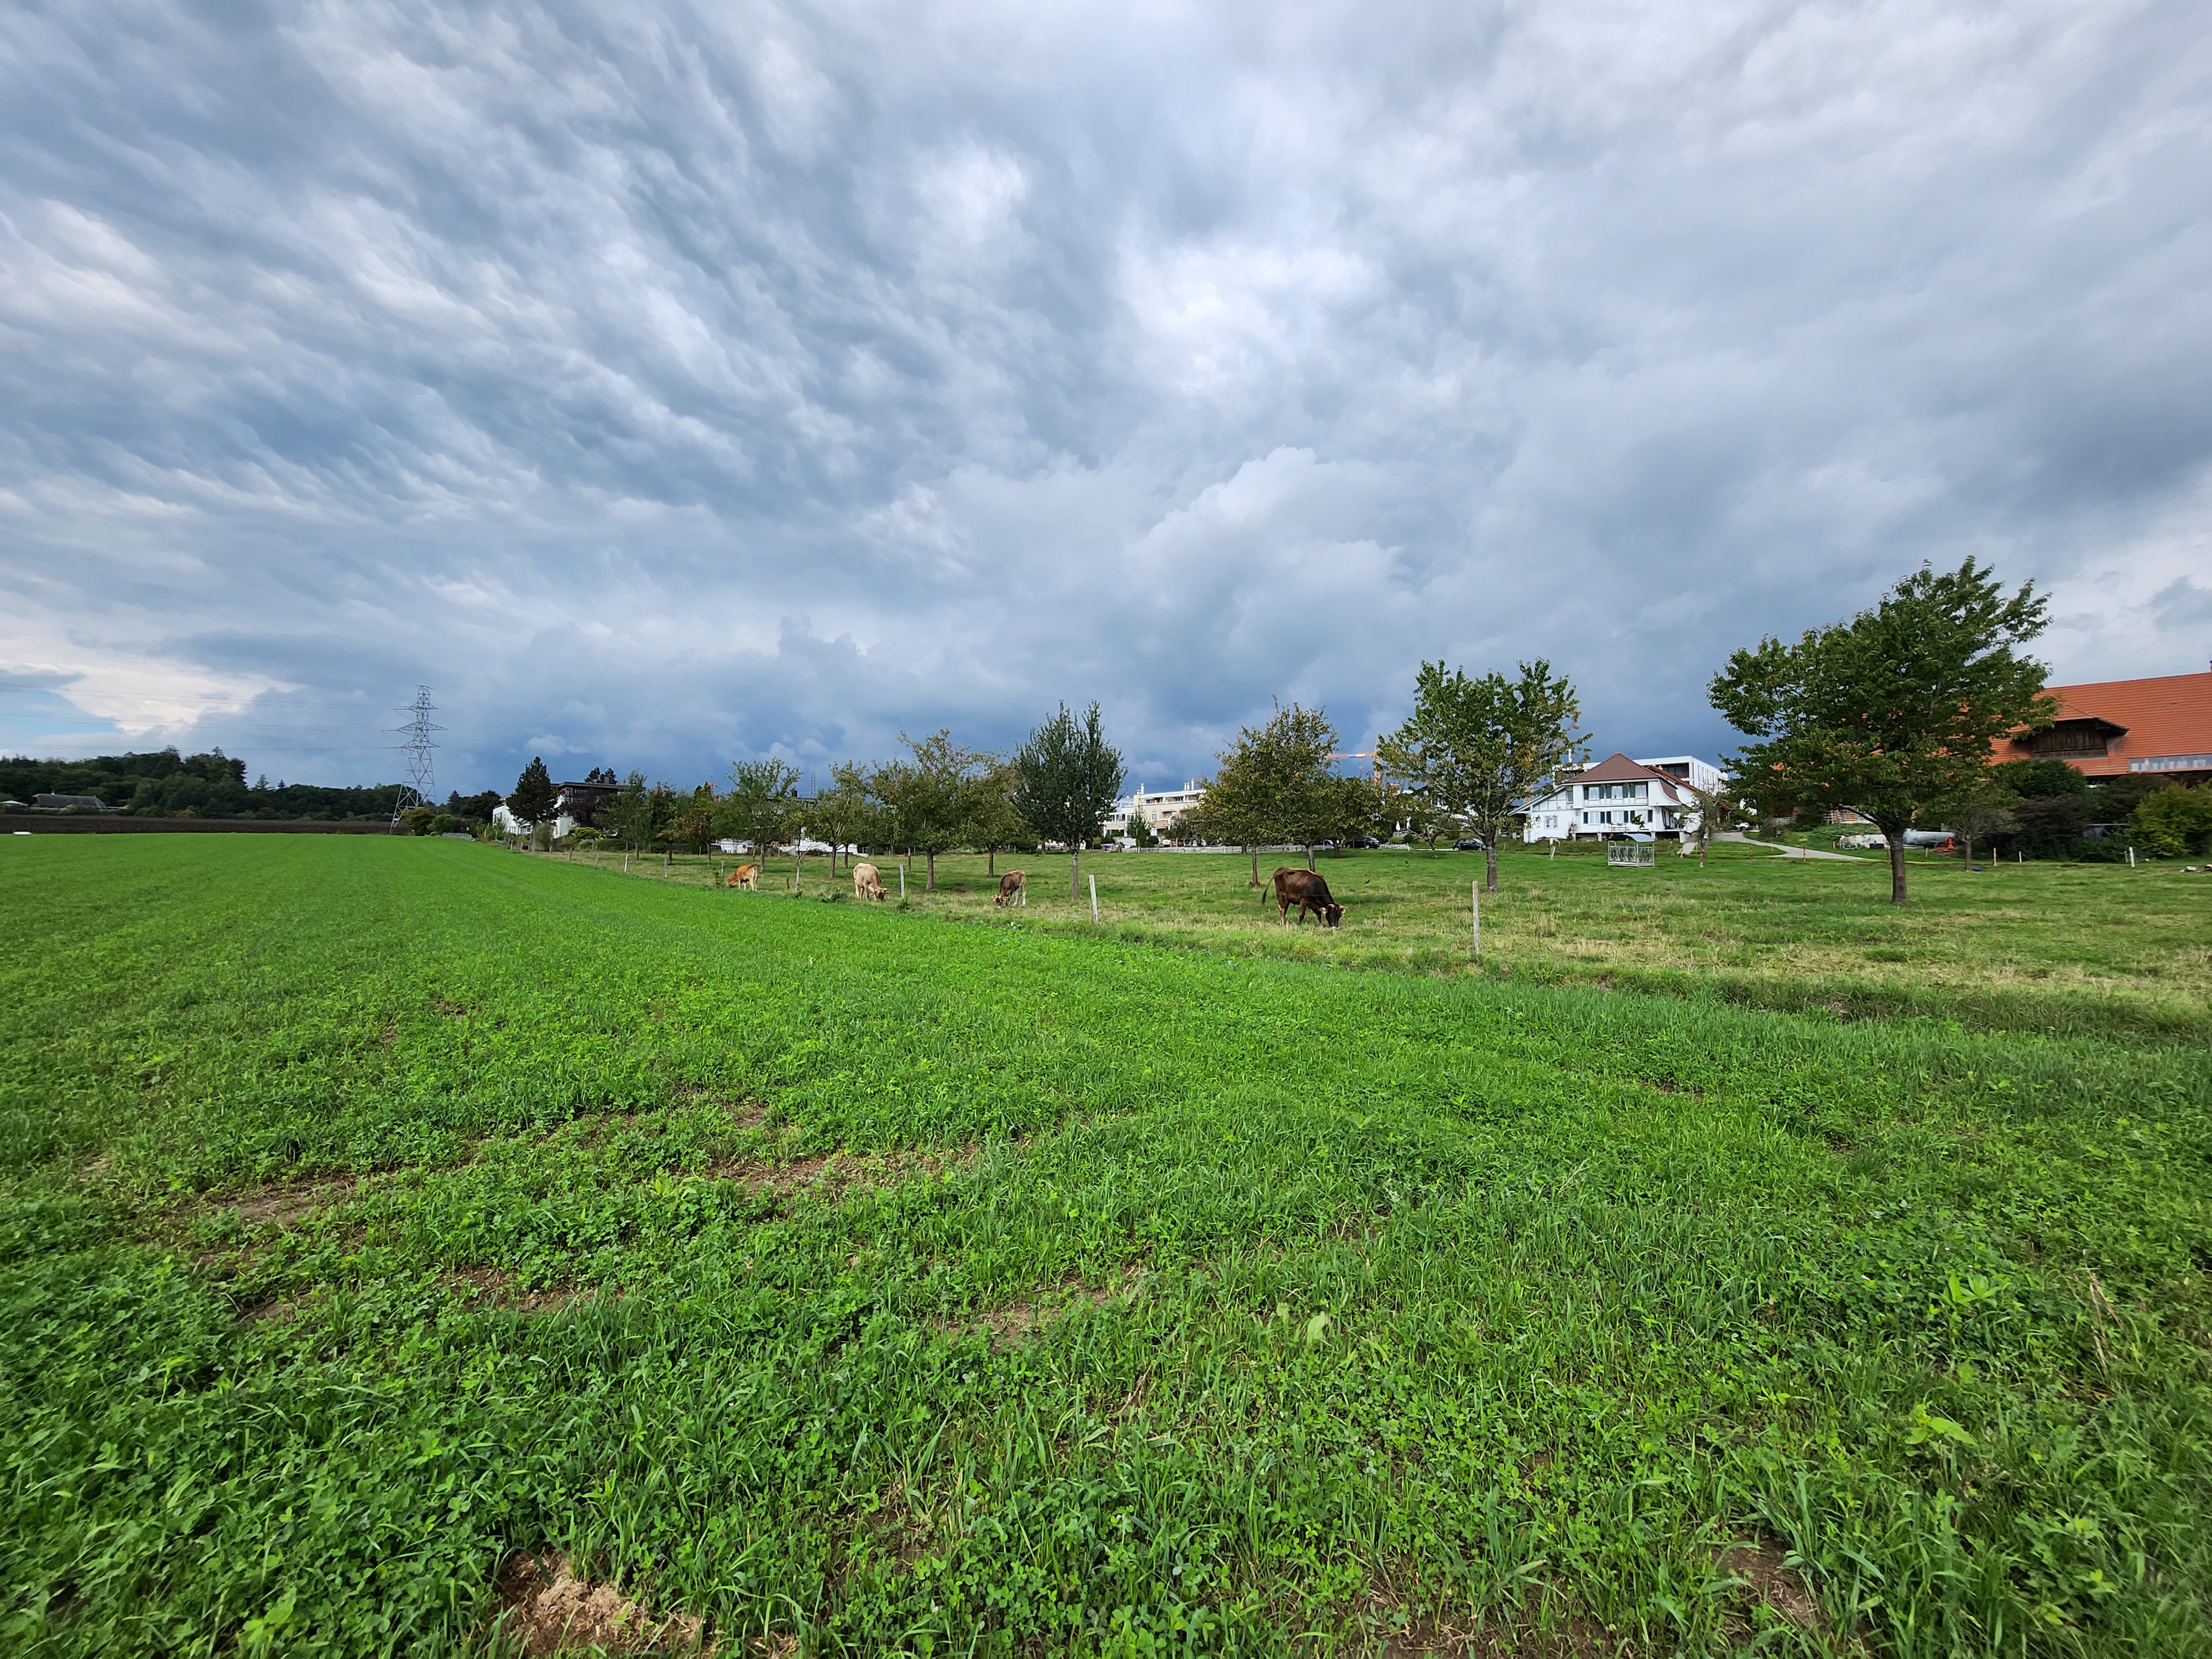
868	881
746	876
1306	890
1013	888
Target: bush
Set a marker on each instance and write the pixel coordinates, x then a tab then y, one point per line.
2038	779
2174	822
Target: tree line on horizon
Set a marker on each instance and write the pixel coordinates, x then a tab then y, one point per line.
1894	713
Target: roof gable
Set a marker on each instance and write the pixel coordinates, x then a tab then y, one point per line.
1617	767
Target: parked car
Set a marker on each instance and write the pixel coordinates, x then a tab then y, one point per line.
1362	840
1466	844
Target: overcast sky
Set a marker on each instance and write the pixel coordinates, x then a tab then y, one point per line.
664	385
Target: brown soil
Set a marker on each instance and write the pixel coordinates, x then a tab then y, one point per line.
1012	1323
286	1204
1767	1580
1427	1636
549	1610
490	1285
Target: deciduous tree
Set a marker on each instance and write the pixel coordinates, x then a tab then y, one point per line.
758	808
1894	710
1483	749
1067	779
934	793
993	823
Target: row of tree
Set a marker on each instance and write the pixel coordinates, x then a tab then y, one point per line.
1057	787
1894	713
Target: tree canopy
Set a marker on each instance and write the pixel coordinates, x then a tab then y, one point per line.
1277	784
931	794
533	800
763	794
1068	778
1481	750
1894	710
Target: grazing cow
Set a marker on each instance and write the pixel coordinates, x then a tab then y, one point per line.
1013	888
1306	890
868	881
746	876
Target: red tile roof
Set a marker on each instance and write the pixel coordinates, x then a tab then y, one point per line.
2168	719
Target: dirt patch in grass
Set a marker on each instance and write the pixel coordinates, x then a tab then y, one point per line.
1011	1323
1394	1632
1768	1579
546	1608
284	1205
502	1290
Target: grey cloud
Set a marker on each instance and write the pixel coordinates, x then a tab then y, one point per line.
674	383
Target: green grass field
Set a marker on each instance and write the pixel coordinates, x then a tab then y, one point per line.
2034	947
380	1215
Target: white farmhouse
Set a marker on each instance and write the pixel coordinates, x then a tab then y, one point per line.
1623	797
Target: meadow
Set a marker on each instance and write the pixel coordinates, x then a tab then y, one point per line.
2045	947
384	1221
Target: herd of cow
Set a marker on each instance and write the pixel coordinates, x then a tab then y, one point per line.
1303	888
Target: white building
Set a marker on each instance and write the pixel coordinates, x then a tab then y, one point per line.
1159	808
1623	797
508	825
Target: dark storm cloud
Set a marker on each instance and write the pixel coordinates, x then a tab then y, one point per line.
665	385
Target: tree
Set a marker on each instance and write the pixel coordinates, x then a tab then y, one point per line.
1895	709
2039	780
1483	750
1715	807
1981	812
1232	808
934	792
1067	779
993	823
758	808
843	811
1424	820
532	801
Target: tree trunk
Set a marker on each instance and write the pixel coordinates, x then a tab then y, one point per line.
931	885
1896	865
1255	865
1075	871
1308	861
1490	862
991	854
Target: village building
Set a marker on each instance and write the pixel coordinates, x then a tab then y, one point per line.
2111	728
1642	798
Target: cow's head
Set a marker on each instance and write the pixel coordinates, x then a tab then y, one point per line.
1332	914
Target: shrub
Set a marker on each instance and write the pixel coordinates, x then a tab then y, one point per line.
2173	822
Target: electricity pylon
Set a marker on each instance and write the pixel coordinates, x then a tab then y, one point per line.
422	785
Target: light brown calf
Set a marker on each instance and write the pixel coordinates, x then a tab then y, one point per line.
867	881
746	876
1013	888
